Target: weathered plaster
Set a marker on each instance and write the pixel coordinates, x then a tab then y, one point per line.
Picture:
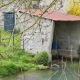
39	37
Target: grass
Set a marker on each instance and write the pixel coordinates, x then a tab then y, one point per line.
12	60
7	41
74	65
14	64
17	62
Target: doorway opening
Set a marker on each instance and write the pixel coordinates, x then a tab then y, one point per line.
65	38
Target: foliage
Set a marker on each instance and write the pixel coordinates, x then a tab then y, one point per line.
14	64
41	58
24	59
7	67
18	60
30	54
21	61
16	31
20	65
42	67
74	7
19	52
6	41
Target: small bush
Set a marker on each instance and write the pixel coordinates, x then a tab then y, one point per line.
7	68
3	71
41	58
20	65
16	31
24	59
30	54
19	52
42	67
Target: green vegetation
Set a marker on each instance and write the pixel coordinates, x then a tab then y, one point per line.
41	58
42	67
7	41
16	31
13	60
17	61
74	65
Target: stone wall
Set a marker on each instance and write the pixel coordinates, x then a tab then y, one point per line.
39	37
60	5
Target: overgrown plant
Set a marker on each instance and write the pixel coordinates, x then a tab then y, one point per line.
20	60
16	31
41	58
17	61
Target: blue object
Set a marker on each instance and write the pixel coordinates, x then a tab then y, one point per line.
55	46
9	21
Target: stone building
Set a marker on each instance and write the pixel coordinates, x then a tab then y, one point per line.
51	30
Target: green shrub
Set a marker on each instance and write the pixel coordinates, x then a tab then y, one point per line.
41	58
3	71
19	52
30	54
24	59
16	31
29	66
42	67
20	65
14	58
7	68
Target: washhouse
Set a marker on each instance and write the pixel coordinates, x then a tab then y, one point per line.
53	32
